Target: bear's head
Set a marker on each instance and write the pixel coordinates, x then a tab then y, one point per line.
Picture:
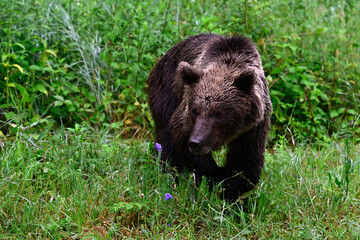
221	103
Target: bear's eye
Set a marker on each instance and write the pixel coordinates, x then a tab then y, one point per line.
218	114
194	112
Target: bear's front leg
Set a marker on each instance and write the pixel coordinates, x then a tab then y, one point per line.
205	165
244	163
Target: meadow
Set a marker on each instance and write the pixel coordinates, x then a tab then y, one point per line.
76	135
77	184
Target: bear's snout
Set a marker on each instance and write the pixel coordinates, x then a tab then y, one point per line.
198	147
194	146
199	139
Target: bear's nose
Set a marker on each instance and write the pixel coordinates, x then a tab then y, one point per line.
194	146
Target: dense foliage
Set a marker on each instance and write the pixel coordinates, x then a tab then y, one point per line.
87	61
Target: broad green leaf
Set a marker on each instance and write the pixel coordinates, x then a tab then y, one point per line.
58	103
35	67
4	57
60	70
10	115
293	48
129	206
60	98
49	69
41	88
334	114
117	124
71	108
68	102
24	93
340	110
351	111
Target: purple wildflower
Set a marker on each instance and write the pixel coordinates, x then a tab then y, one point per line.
158	147
168	196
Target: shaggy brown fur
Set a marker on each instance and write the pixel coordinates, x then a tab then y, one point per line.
206	92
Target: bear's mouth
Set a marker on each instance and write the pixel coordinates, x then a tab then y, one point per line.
198	149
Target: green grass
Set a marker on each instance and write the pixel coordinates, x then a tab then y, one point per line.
79	184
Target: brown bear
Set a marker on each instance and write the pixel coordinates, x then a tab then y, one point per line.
206	92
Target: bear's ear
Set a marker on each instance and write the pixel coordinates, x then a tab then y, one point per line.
188	73
245	81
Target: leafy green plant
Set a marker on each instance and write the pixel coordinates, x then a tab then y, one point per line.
74	62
